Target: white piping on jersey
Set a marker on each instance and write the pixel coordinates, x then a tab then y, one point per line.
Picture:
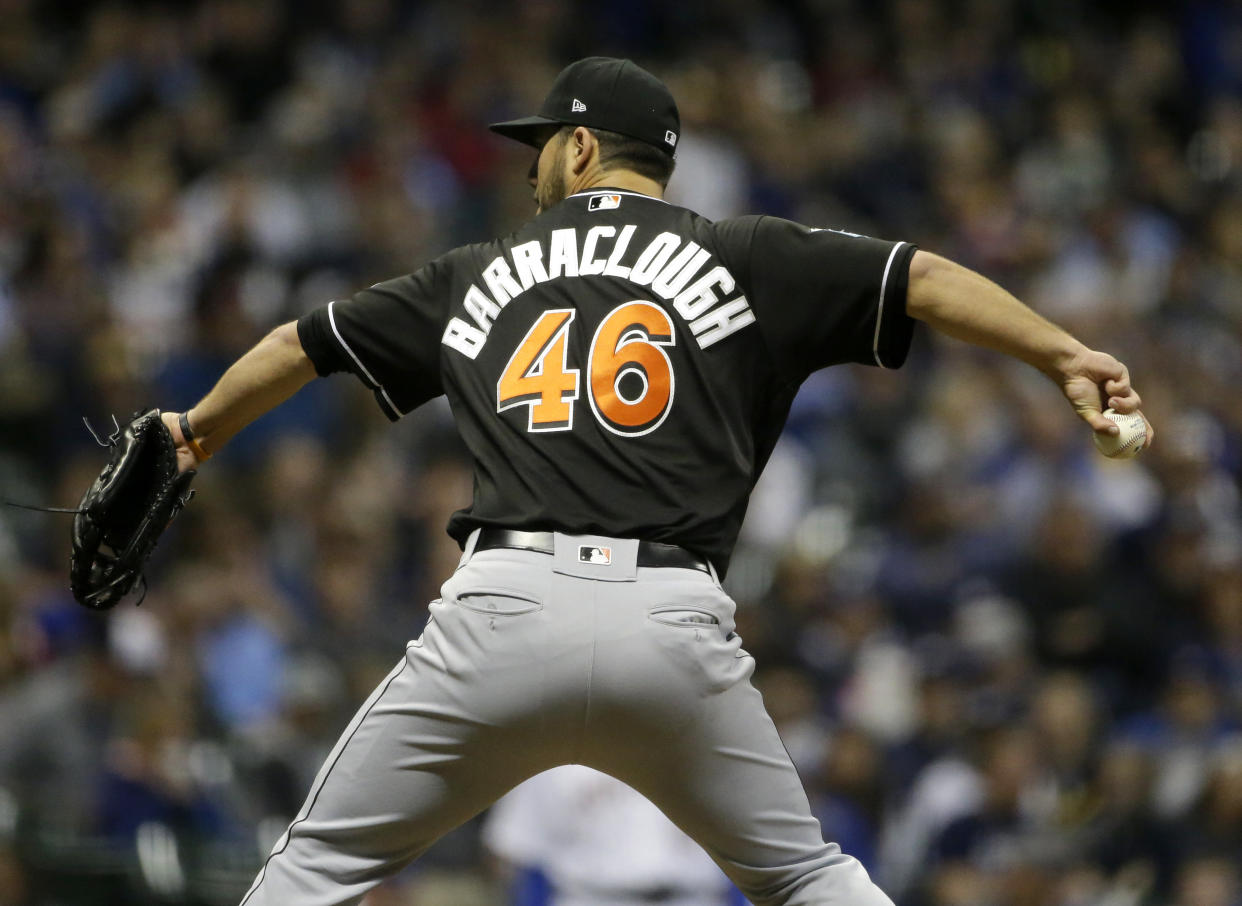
879	314
616	192
340	339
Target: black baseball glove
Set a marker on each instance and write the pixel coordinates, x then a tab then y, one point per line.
124	512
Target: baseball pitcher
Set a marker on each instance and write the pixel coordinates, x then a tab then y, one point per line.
620	369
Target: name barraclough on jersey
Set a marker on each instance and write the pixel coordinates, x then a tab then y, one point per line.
676	270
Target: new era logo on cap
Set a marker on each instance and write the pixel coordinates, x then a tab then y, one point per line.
577	107
590	554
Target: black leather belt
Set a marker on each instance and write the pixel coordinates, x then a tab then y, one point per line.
650	553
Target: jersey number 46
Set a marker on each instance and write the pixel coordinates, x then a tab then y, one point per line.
626	348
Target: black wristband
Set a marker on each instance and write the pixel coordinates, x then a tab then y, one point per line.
184	421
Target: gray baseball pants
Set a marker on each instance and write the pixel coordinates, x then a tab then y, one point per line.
531	661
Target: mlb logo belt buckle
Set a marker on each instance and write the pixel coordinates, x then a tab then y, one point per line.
588	553
595	557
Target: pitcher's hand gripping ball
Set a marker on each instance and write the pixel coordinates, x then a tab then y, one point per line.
1131	439
125	510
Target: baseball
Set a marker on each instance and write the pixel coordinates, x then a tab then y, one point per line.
1133	436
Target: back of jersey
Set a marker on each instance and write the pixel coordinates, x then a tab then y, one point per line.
621	366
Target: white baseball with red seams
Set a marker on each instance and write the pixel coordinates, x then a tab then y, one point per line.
1129	442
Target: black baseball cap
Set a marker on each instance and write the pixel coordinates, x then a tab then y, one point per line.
603	93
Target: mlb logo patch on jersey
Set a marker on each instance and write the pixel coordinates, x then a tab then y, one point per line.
604	202
589	553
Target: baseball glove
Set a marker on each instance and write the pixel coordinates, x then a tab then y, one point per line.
125	510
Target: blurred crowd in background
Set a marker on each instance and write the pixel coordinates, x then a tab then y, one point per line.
1009	670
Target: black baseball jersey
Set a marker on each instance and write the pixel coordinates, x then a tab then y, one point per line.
621	366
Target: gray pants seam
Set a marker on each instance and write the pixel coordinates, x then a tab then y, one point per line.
586	708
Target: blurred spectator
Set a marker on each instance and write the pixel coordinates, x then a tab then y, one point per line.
1183	731
789	696
575	837
848	800
1214	825
1008	833
57	723
148	773
1124	841
1209	881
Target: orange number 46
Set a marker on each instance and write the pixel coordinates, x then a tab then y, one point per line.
627	345
538	375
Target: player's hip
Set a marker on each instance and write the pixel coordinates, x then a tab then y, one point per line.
520	573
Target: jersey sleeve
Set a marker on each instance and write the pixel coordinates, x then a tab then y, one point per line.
388	335
824	297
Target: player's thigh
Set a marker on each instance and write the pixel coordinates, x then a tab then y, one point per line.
727	781
437	742
718	769
689	731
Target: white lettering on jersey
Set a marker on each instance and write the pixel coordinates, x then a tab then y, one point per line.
481	308
499	280
612	268
591	264
679	271
528	262
653	258
718	324
465	338
698	297
673	270
563	259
